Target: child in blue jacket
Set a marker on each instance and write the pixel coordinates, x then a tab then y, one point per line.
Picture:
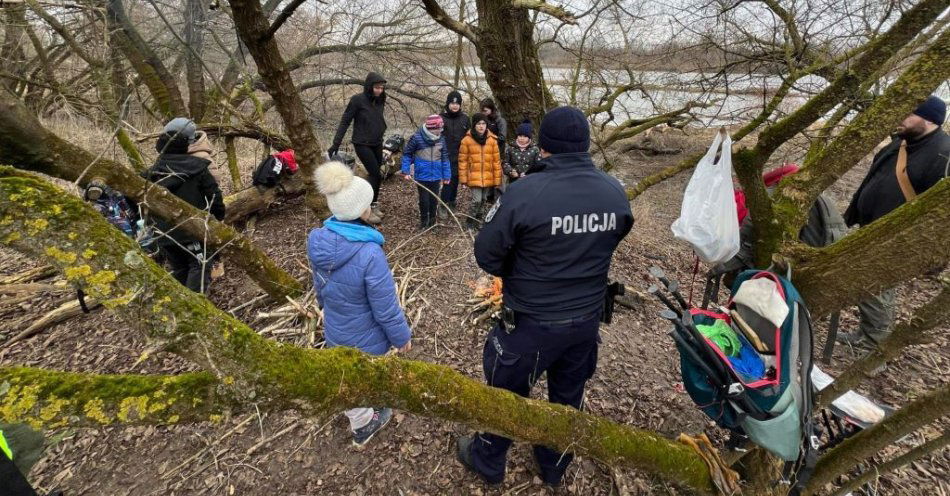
426	159
353	283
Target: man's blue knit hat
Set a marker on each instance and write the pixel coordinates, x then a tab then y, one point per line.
564	130
933	109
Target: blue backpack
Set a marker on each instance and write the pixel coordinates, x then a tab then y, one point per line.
761	389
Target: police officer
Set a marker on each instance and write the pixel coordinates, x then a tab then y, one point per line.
550	238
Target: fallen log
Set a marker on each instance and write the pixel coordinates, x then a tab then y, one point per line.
30	288
59	315
29	275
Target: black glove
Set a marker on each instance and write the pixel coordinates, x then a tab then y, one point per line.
332	150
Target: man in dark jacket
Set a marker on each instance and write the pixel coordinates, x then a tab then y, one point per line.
365	111
187	177
550	238
920	151
456	125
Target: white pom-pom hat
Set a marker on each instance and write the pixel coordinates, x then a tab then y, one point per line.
348	196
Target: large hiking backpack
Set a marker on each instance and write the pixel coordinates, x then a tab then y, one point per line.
773	409
116	210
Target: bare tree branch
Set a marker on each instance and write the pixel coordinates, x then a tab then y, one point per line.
440	16
544	7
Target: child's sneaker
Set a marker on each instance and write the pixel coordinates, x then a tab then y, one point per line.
362	435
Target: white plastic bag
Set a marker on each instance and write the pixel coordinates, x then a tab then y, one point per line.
708	219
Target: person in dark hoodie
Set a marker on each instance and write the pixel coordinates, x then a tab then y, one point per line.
456	126
917	158
365	111
187	177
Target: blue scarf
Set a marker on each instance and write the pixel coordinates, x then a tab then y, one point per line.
354	230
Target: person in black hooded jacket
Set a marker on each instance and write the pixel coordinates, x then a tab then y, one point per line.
365	111
456	126
187	177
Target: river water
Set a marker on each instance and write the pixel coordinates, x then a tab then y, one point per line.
732	100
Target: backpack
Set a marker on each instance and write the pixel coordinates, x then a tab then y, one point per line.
267	172
116	210
771	402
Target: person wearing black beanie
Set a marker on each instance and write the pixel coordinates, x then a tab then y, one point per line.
550	238
916	159
456	127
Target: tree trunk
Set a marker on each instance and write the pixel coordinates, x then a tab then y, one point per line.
252	26
509	59
12	58
237	183
146	63
26	144
110	267
194	38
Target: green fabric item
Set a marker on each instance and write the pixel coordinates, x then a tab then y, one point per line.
723	335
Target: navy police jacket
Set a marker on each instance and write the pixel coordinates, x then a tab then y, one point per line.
551	236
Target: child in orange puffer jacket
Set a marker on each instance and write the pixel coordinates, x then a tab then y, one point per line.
479	167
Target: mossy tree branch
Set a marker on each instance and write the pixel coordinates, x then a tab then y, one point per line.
778	224
903	244
110	268
26	144
150	69
876	53
857	449
885	468
49	399
917	330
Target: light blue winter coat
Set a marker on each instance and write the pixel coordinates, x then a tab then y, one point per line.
355	287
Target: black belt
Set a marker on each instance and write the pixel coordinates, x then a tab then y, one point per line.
559	323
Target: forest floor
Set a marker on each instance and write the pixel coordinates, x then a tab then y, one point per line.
637	380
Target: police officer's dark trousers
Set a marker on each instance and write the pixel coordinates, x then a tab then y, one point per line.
567	351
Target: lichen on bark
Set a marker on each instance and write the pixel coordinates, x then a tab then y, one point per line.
48	399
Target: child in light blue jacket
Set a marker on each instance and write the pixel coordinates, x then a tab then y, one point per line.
353	282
